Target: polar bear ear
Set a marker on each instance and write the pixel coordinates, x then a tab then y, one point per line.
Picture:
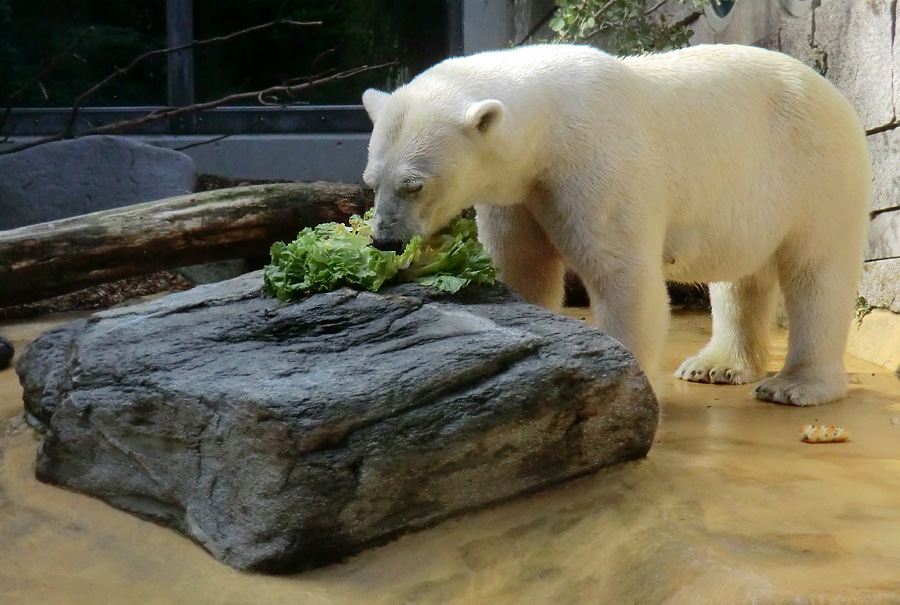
373	100
482	116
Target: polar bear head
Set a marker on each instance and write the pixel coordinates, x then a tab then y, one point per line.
431	155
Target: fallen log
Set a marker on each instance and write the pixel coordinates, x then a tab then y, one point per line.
63	256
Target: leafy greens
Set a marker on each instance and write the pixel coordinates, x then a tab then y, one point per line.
332	255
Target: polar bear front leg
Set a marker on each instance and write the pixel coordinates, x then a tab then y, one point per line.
630	302
523	255
738	350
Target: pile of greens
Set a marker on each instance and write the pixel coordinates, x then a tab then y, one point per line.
332	255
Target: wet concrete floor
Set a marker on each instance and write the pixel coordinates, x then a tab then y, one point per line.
729	507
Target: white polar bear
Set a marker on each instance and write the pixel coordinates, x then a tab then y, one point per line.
725	164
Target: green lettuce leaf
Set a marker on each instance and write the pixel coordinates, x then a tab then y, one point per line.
332	255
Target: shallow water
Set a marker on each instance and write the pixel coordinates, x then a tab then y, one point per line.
729	507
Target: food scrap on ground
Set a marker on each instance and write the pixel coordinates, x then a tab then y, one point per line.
823	434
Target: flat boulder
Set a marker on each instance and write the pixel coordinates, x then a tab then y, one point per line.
283	437
80	176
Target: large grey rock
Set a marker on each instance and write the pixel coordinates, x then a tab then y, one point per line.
7	352
68	178
282	437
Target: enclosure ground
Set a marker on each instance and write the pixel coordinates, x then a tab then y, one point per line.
729	506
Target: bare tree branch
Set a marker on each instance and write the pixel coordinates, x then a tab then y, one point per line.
540	23
605	8
690	19
79	102
169	113
892	125
221	137
655	8
38	78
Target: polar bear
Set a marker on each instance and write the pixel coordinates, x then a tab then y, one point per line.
730	165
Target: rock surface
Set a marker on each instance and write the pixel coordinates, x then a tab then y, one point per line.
7	351
285	437
68	178
857	36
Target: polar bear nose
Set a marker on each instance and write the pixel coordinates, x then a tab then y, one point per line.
389	245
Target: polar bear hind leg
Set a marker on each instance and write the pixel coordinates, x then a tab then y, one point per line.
523	255
819	299
742	315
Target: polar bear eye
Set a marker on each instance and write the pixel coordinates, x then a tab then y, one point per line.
410	187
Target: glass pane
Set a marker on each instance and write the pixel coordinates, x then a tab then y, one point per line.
354	33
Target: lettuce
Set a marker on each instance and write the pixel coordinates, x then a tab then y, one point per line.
333	255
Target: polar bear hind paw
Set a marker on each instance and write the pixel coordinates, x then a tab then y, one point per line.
791	391
703	369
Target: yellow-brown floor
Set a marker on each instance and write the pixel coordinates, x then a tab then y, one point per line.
729	507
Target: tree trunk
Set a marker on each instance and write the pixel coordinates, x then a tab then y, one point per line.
63	256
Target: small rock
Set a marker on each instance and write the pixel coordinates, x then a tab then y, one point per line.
7	351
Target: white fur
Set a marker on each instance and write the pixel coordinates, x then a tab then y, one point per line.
724	164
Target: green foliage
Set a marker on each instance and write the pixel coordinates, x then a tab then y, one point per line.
863	308
332	255
627	26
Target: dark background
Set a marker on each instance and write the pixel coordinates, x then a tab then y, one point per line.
356	32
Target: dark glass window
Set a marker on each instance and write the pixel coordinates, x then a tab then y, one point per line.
354	33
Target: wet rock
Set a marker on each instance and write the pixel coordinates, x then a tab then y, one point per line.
68	178
281	437
7	351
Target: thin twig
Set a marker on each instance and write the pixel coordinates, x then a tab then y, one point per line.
218	138
603	9
44	73
169	113
650	11
875	213
877	260
540	23
892	125
79	102
689	20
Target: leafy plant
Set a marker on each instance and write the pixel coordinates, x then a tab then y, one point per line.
628	26
332	255
863	308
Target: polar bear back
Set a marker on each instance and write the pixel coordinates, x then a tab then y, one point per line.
723	152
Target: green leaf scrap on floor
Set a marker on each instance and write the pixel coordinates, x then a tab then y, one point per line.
333	255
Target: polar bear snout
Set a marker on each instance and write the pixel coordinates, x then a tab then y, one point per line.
389	245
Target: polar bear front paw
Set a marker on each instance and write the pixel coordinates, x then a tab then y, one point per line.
714	371
801	392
